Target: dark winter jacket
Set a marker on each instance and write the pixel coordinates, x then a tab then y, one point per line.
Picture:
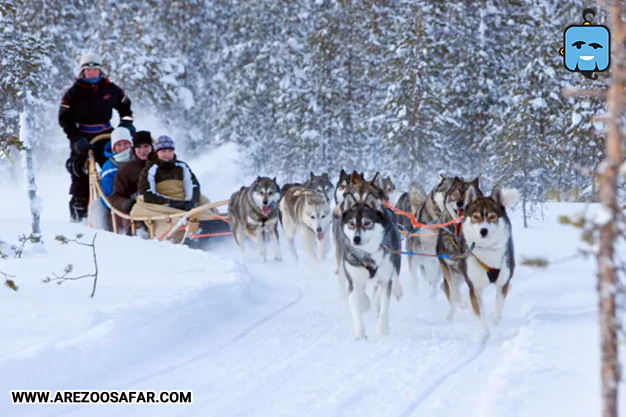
125	184
173	176
86	109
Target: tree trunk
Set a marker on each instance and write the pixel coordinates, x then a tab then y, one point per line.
26	132
607	274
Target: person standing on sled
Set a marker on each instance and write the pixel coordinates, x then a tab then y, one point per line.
168	186
127	177
85	112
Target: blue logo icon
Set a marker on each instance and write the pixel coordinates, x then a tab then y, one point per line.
587	47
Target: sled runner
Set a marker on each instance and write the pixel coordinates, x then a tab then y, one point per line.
193	228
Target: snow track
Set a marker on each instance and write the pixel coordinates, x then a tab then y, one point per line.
275	339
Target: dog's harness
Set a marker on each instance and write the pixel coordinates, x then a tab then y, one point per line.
492	273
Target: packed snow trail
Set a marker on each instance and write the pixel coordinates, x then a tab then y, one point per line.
275	339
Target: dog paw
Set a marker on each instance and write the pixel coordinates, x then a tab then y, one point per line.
280	258
383	330
495	319
360	335
450	316
396	290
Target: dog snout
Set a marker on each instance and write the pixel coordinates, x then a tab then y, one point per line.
483	232
265	202
357	240
459	204
318	230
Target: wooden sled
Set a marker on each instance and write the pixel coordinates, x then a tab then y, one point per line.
219	226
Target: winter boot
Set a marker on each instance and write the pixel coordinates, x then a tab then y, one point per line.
78	209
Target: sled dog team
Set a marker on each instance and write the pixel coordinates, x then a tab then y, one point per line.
455	231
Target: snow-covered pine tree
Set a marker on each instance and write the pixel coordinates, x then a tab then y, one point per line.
26	54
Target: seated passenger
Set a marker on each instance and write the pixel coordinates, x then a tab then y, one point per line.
168	186
118	151
125	184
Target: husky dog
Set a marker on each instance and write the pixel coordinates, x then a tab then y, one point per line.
253	211
369	239
492	261
431	210
360	190
343	183
307	211
389	187
322	184
444	203
448	242
410	202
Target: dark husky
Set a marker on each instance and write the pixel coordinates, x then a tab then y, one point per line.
253	211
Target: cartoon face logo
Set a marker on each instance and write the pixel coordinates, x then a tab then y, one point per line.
587	47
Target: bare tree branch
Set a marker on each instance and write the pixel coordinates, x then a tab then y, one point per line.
70	268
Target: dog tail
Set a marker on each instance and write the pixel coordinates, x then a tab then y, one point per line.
416	196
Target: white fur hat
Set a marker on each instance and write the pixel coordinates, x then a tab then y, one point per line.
91	60
119	134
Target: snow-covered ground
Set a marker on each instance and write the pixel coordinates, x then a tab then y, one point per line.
275	339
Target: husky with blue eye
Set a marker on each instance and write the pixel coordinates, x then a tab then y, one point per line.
370	243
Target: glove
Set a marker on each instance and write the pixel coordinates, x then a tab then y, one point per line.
76	167
82	145
182	205
128	205
128	124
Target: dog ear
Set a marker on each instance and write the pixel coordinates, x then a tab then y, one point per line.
362	174
342	174
311	175
475	183
325	176
470	196
377	180
356	178
506	197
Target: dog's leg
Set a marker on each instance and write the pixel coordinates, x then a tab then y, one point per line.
414	265
290	234
259	239
431	270
355	307
308	237
501	293
384	294
450	287
476	298
240	238
274	236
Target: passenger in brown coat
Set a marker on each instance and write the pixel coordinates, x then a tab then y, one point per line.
127	178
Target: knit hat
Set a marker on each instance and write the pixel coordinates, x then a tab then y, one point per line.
163	142
91	60
120	134
142	137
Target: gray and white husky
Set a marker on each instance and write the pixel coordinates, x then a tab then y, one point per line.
369	243
444	203
322	184
431	210
492	261
306	211
253	211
